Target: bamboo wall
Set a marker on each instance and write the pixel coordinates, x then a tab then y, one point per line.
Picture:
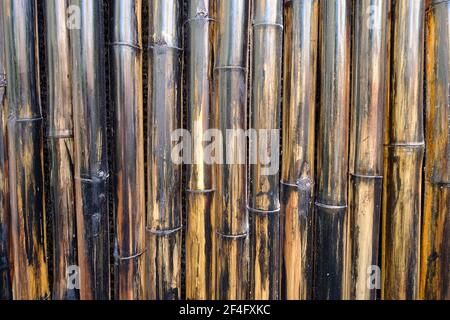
93	204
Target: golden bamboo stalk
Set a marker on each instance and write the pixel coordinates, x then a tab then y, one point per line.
200	236
297	176
164	217
30	278
5	212
129	171
264	203
230	101
60	134
331	223
403	154
366	143
435	250
90	165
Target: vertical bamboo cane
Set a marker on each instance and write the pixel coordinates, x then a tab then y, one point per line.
30	279
230	87
366	142
200	237
5	212
91	166
264	203
60	133
164	175
435	263
403	155
129	177
331	224
299	107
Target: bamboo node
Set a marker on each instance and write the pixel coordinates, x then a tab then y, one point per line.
163	46
200	191
125	44
258	211
267	24
232	236
364	176
163	233
60	134
329	206
132	257
230	68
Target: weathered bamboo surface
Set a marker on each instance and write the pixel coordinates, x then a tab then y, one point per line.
164	222
5	212
265	110
403	154
129	172
366	142
60	135
301	40
435	254
331	220
90	164
200	235
25	140
230	101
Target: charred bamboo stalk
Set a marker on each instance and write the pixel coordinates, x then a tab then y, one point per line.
331	224
200	236
60	134
403	154
435	262
25	140
164	218
366	143
230	87
297	177
91	166
264	202
129	171
5	212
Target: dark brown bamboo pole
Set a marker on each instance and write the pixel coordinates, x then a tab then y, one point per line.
366	142
230	87
265	110
301	21
403	154
5	212
435	250
129	171
91	166
331	224
30	278
200	236
60	135
164	218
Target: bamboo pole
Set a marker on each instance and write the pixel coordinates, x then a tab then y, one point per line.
331	224
403	155
264	203
297	177
129	176
91	166
30	278
230	101
435	261
60	134
5	212
164	175
200	236
366	142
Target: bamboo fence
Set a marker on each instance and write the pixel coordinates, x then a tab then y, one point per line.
209	149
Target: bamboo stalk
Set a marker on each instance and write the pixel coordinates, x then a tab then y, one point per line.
297	176
264	203
230	87
366	142
200	236
30	278
91	166
129	176
403	155
5	212
164	219
435	250
331	224
60	134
